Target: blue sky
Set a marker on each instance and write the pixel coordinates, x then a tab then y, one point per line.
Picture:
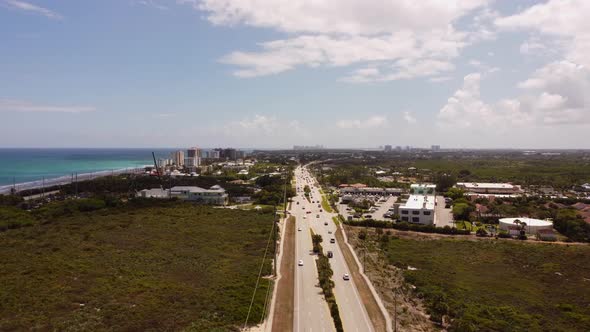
274	73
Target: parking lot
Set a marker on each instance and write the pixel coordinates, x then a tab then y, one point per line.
382	204
442	216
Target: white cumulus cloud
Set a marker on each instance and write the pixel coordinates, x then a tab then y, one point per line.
565	20
32	8
7	105
555	94
376	121
409	117
392	40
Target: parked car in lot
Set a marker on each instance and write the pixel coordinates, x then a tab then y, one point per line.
317	216
332	240
368	216
325	223
330	254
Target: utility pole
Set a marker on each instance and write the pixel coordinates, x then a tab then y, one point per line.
394	310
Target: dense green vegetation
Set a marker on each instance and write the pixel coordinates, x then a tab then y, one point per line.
326	205
349	174
272	190
128	184
144	265
561	171
405	226
569	223
325	274
498	285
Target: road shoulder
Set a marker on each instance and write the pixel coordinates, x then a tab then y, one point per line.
284	306
371	304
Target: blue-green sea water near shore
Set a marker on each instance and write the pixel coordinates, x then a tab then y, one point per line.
25	165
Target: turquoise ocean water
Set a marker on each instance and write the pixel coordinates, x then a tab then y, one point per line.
28	165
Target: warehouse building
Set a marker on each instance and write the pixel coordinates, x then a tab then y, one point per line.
484	188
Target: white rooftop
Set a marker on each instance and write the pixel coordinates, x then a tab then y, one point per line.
420	202
423	185
195	189
485	185
528	221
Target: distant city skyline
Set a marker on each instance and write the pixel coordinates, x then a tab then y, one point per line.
274	74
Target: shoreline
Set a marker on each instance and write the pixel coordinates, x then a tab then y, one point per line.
66	179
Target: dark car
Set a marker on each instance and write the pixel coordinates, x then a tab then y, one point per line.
332	240
330	254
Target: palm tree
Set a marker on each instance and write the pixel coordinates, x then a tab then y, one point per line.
516	222
522	226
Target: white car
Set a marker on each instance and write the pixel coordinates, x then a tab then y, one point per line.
299	229
301	264
345	276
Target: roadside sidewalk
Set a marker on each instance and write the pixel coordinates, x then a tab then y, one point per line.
280	316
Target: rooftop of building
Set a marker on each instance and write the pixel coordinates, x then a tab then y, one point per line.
528	221
487	185
423	186
420	202
155	192
195	189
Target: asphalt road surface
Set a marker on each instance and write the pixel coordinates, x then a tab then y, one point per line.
311	310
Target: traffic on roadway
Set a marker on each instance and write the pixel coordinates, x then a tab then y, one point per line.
311	310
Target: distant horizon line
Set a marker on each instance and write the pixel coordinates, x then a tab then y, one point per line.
292	149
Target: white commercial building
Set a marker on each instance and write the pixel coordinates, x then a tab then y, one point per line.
153	193
419	208
370	191
531	226
489	188
214	195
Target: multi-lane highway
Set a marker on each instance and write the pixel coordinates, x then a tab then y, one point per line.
311	310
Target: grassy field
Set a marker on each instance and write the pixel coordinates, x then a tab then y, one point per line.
173	267
498	285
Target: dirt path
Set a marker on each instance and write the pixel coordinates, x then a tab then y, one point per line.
285	300
434	236
365	293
